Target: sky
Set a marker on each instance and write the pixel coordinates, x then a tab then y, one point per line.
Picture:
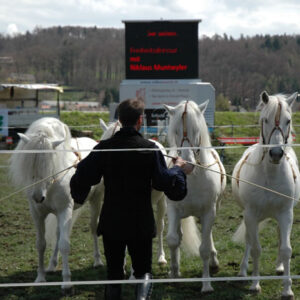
233	17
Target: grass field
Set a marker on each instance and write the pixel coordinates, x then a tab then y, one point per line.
18	256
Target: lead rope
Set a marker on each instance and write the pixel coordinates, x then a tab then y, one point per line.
37	182
79	158
242	180
166	155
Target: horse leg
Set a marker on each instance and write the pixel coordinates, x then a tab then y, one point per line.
255	248
160	224
213	261
54	258
65	223
95	207
245	260
285	221
39	222
173	239
244	263
279	264
207	248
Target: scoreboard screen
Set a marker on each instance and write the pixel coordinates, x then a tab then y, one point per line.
161	49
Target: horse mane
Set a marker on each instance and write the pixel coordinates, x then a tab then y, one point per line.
269	110
41	134
195	116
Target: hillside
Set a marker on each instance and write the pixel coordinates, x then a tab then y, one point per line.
92	59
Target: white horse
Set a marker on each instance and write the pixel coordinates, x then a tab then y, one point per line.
276	168
158	198
188	129
52	195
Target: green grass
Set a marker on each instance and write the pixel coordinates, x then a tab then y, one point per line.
18	256
80	121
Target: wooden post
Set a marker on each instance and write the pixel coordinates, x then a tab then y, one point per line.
37	98
58	105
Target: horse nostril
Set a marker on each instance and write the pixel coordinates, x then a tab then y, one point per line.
276	153
42	199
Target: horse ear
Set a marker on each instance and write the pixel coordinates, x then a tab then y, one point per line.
291	99
203	106
23	137
103	125
264	97
169	109
57	143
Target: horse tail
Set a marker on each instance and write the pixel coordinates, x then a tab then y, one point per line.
51	226
191	239
240	235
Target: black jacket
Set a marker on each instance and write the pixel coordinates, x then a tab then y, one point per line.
129	177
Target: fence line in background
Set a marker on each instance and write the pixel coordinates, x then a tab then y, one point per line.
157	126
146	149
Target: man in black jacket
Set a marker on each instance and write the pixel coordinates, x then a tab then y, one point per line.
126	218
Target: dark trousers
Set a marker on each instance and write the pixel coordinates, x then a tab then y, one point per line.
140	251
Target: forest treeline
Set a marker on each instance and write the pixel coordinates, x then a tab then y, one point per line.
93	59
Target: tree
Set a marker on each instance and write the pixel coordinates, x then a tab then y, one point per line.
222	103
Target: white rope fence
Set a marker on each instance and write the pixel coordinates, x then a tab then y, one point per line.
134	281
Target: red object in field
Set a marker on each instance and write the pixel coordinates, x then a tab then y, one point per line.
250	140
239	140
9	140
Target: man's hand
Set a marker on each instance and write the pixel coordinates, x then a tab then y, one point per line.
185	166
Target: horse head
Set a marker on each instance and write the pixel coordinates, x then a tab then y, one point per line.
188	129
38	166
276	123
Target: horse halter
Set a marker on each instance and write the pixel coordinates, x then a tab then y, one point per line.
276	127
185	138
184	128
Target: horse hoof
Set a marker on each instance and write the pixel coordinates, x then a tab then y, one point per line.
279	272
162	262
98	264
50	269
67	290
255	290
214	269
174	275
242	274
289	297
207	290
40	279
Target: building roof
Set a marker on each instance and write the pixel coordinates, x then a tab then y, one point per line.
34	86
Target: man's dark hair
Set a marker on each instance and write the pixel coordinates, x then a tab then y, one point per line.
130	110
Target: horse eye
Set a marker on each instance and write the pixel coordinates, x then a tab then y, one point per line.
266	121
288	122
